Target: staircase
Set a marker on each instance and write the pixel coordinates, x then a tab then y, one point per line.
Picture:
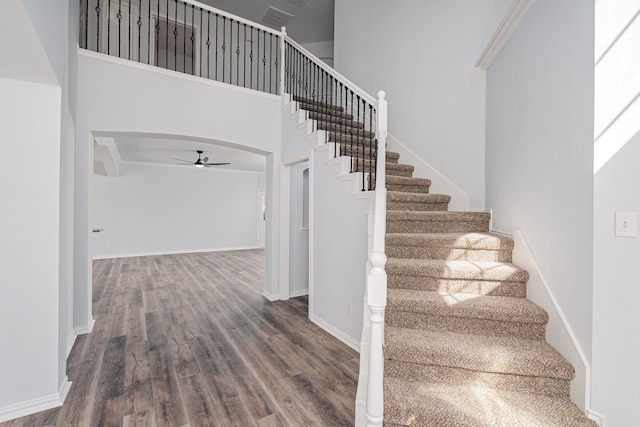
463	345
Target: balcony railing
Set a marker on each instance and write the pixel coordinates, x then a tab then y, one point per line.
187	37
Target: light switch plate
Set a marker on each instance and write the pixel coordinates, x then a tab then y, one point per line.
626	224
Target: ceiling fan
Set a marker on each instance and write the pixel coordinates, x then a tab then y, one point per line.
202	162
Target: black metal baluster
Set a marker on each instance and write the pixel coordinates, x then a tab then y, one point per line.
157	58
251	65
139	30
208	41
244	58
238	56
258	63
276	64
166	56
129	30
230	51
98	10
193	40
108	27
358	130
184	40
224	43
264	60
149	32
200	45
86	24
175	39
270	58
216	47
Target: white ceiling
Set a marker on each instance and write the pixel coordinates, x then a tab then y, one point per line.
312	22
160	150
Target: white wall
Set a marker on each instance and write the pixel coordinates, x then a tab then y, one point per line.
323	50
57	28
154	209
29	359
121	96
423	54
339	250
539	148
298	234
32	301
616	347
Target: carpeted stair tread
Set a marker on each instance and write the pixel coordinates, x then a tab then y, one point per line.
439	405
504	309
474	287
495	354
456	269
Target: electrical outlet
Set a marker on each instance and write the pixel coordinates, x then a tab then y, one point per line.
626	225
349	309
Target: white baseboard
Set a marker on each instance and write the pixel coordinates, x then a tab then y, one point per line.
594	416
270	296
559	332
189	251
81	330
299	293
336	332
71	341
32	406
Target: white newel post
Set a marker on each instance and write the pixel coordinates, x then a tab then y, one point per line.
377	279
282	59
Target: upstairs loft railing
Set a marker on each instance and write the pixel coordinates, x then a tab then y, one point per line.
189	37
186	37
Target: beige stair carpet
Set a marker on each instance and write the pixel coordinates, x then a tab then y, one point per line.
463	345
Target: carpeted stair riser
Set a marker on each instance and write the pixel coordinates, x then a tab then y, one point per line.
335	120
405	184
466	313
501	355
326	114
437	222
347	139
428	252
447	269
359	151
451	246
441	405
417	201
392	169
347	131
310	102
472	326
465	286
544	386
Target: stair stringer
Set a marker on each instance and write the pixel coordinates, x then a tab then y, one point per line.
300	137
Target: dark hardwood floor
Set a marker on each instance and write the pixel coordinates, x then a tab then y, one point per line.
188	340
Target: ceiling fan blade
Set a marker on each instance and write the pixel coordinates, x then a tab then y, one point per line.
216	164
205	159
181	160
